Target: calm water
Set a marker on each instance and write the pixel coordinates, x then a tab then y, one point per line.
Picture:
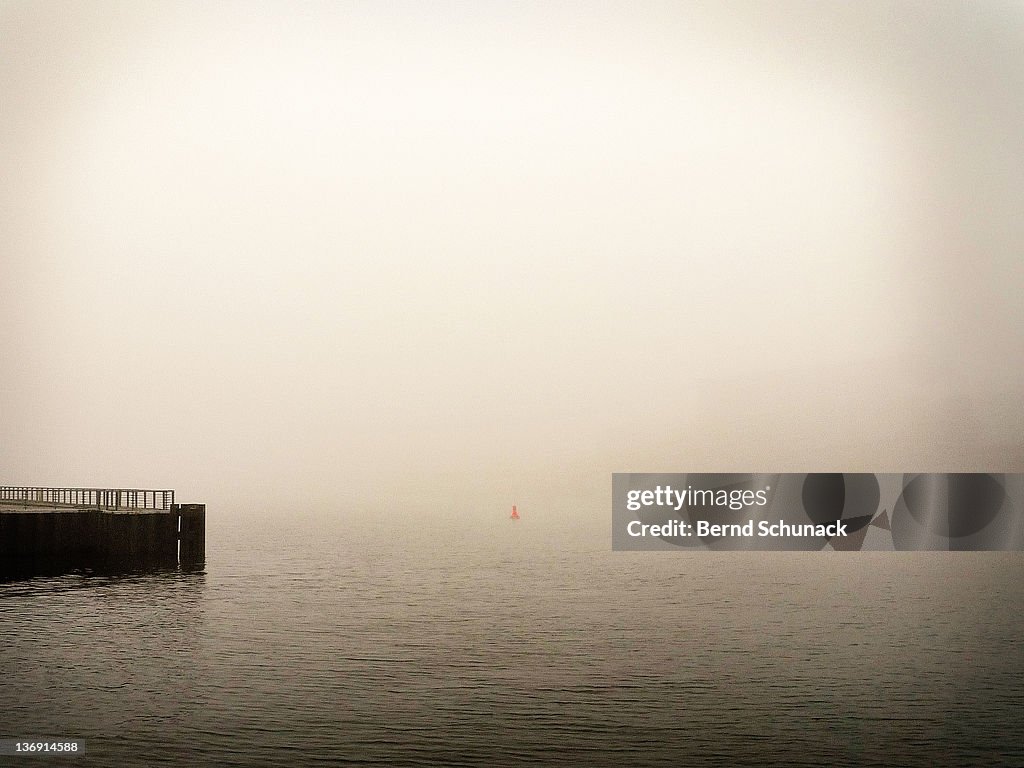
326	643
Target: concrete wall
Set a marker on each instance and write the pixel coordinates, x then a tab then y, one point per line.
87	538
33	534
141	536
193	533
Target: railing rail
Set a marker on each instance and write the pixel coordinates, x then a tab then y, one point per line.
103	498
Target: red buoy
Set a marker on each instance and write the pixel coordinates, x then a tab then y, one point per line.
515	513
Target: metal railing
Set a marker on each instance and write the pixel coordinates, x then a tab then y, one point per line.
100	498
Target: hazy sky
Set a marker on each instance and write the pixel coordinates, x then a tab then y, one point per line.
465	254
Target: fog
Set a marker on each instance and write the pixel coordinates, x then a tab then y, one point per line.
415	256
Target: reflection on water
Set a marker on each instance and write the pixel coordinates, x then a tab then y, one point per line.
29	570
501	643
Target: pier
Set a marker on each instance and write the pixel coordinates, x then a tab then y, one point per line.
60	528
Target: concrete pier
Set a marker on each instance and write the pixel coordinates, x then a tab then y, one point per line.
97	528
